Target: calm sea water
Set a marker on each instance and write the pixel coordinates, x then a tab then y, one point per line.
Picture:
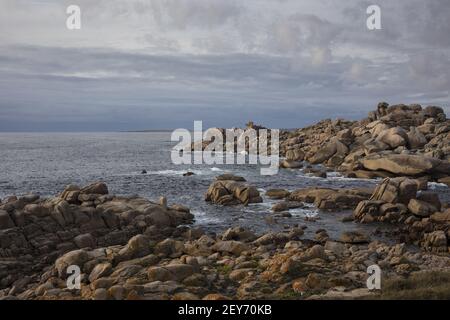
45	163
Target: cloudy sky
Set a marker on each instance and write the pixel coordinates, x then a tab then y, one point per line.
153	64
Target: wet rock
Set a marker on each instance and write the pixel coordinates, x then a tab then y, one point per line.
277	193
229	192
291	164
330	199
354	237
229	177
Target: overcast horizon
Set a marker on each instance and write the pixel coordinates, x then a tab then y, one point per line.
162	64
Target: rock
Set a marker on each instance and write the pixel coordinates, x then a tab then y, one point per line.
228	176
185	296
432	111
367	207
239	274
215	296
163	202
330	199
159	274
353	237
333	147
280	206
158	216
337	248
441	217
233	247
137	246
406	164
188	174
85	241
100	294
238	234
172	272
435	241
77	258
5	220
277	193
431	198
229	192
295	155
95	188
421	208
445	180
100	270
36	210
291	164
169	247
416	139
393	137
395	190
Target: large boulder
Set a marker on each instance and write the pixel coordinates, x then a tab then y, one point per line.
416	139
334	147
95	188
395	190
406	164
394	137
421	208
230	192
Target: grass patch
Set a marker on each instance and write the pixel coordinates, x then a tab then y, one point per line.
431	285
224	269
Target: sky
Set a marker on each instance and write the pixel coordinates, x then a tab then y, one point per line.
161	64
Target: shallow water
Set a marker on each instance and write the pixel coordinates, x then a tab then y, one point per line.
45	163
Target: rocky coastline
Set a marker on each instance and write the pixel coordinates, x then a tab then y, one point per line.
133	248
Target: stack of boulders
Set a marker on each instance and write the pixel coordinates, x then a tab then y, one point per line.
397	200
35	231
229	190
397	140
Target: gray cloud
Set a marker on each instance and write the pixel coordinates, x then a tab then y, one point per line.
164	63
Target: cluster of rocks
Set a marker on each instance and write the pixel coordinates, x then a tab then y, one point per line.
424	219
397	140
34	232
228	189
187	264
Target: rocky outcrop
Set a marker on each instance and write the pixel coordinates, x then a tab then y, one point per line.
232	192
417	213
232	265
34	231
330	199
397	140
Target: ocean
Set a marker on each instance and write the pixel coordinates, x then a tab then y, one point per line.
44	163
